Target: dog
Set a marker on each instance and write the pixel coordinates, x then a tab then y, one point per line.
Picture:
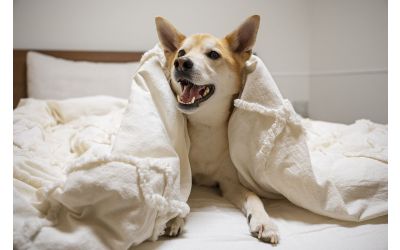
206	75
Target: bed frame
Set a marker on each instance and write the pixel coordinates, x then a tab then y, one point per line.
19	63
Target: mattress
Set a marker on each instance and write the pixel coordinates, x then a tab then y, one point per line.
48	135
214	223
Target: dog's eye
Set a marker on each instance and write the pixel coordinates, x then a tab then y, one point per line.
214	55
181	53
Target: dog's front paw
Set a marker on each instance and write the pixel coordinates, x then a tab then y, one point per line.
174	226
263	228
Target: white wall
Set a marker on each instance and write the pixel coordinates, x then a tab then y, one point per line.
332	53
126	25
348	63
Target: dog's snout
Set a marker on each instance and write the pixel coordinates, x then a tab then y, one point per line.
183	64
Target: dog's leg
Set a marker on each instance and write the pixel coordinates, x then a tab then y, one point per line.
260	224
174	226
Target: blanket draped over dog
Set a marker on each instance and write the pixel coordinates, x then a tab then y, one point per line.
111	195
100	173
341	175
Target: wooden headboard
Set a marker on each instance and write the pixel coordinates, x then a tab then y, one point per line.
19	63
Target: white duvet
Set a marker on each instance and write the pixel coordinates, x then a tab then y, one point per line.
43	146
101	173
340	173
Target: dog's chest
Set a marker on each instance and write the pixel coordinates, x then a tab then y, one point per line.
208	152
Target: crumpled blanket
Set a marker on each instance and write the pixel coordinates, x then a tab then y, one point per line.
340	173
103	173
97	173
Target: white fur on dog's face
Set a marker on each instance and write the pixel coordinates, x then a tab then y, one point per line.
220	72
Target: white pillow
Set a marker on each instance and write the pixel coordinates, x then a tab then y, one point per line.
55	78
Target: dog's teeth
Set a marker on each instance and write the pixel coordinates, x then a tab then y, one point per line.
207	90
192	101
177	98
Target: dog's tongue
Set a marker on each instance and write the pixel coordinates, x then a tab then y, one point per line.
190	91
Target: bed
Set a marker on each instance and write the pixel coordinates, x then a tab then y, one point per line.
214	223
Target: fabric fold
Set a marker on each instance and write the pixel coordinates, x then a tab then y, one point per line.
125	173
277	156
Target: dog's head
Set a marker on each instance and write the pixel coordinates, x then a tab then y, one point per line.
205	69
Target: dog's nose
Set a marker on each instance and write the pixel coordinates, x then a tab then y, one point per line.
183	64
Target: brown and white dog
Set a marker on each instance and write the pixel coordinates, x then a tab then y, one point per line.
206	74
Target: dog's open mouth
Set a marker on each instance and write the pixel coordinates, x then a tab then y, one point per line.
192	94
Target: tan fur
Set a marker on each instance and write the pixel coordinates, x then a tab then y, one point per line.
208	124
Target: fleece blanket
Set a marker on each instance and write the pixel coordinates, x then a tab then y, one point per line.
104	173
342	175
100	173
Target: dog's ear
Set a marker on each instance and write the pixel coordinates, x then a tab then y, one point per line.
243	38
168	35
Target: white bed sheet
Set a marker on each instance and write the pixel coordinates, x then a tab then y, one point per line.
214	223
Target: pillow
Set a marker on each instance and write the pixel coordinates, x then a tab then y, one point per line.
55	78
